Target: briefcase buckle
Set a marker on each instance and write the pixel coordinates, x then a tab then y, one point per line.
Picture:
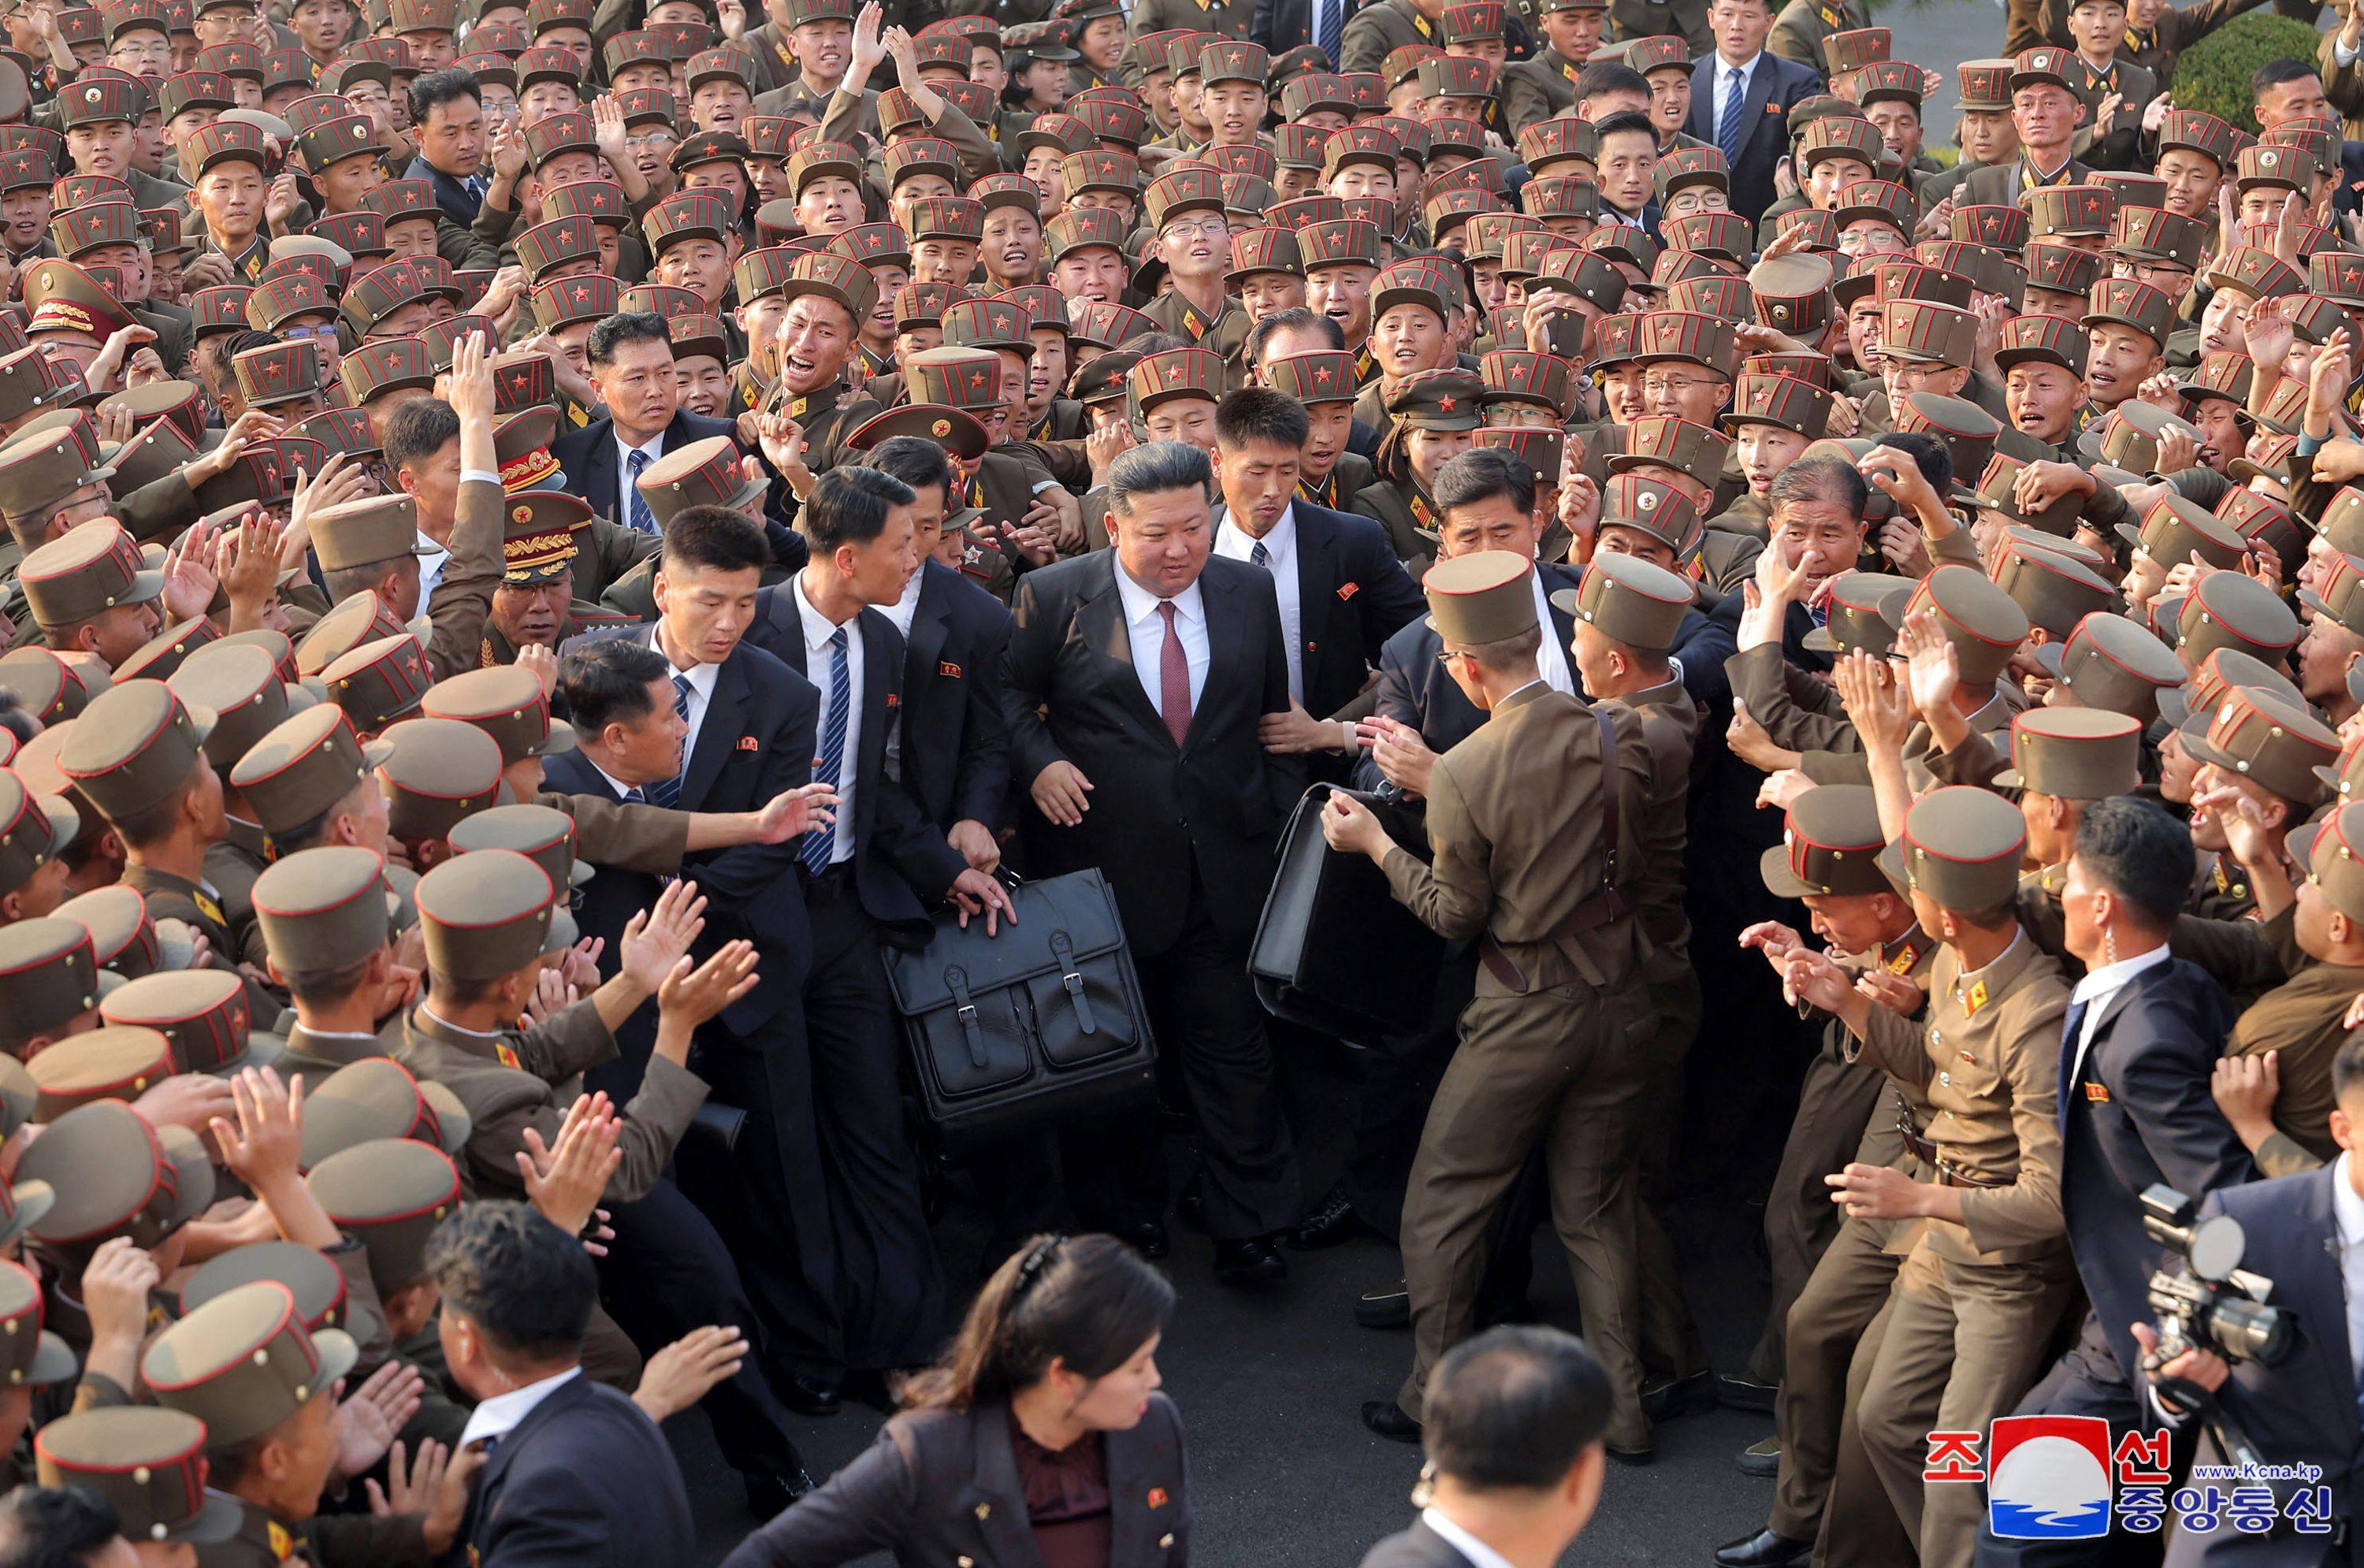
1063	950
956	982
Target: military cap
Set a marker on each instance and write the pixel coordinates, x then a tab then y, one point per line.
1402	65
2237	612
300	771
399	199
1473	20
1854	618
323	909
2265	737
48	974
1126	123
1455	76
1689	166
32	1356
1961	846
2338	275
34	829
1917	330
2326	853
1782	401
438	772
1323	376
2284	406
423	16
945	217
93	568
2341	523
1409	282
1848	136
1994	227
333	141
1521	375
2340	595
565	301
1434	399
1993	493
280	300
1482	597
2055	589
378	682
1234	60
548	246
389	1194
64	297
114	1175
115	918
2065	211
2132	190
1059	133
1675	265
1978	618
379	293
1725	235
1650	507
317	1285
2194	131
225	141
1670	442
1564	196
1883	80
244	1361
1814	369
241	685
1182	191
99	1065
39	471
1564	139
686	215
281	373
485	915
1318	91
2149	233
200	1013
374	370
1161	377
149	1463
1830	846
140	746
77	229
1967	431
2214	678
541	833
365	532
1629	600
2062	269
162	654
872	244
93	99
2262	519
703	473
1677	335
1790	293
2074	754
987	324
45	686
2174	530
2111	663
2267	166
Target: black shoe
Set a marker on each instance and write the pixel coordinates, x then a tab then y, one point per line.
869	1388
1634	1457
1743	1392
1254	1261
809	1394
1389	1306
1334	1222
1146	1237
1761	1458
768	1495
1669	1397
1764	1549
1386	1418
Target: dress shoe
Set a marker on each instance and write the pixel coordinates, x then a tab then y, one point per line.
1386	1418
1764	1549
1669	1397
1190	1209
1740	1393
809	1394
1761	1457
1146	1237
770	1493
1253	1261
1389	1306
1633	1457
1334	1222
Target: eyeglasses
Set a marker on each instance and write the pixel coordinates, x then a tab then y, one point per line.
1184	228
298	334
650	138
1677	385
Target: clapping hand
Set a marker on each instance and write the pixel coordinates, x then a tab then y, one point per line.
658	937
564	1179
693	996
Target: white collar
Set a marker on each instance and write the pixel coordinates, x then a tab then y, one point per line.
1481	1555
817	627
2112	977
651	446
1969	977
504	1413
701	676
1140	604
912	589
455	1028
1745	69
1277	541
2346	1205
619	785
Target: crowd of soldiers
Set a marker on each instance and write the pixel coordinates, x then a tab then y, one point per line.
546	538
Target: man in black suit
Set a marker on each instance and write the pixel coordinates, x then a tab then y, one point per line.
745	732
2141	1039
875	876
447	113
631	366
1511	1420
1138	678
1283	25
574	1471
1341	590
1740	98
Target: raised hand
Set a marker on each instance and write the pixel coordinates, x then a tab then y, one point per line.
564	1179
868	48
794	812
1935	664
680	1374
659	937
693	996
264	1146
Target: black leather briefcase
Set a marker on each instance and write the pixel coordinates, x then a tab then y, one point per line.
1334	949
1042	1023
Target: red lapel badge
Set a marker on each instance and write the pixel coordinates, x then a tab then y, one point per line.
747	743
507	1057
1157	1497
949	671
894	699
1348	590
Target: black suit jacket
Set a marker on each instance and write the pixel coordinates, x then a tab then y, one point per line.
902	865
955	745
755	741
1159	813
1775	84
585	1479
451	195
603	907
1419	1547
1286	24
589	456
1352	596
2138	1111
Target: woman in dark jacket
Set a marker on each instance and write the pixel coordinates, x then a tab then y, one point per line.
1039	1441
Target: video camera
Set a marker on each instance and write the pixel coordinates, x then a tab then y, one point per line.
2211	1303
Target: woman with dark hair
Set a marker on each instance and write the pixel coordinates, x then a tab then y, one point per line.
1040	1440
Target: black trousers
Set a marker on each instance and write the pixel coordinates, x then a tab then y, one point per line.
667	1273
1396	1079
891	1288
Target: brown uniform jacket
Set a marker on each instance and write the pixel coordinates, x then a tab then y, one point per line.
1540	88
461	601
1988	1062
1227	334
2303	1020
231	865
1375	31
1799	31
2002	185
1915	956
1670	724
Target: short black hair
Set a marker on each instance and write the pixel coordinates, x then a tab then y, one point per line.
605	681
1260	414
1927	453
1155	468
418	429
916	461
324	987
2279	73
626	327
1513	1408
714	536
55	1527
1296	318
849	506
1481	473
525	1283
1610	76
444	86
2348	1066
2139	852
1623	121
244	339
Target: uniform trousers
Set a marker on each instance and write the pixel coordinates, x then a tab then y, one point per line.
1562	1066
1845	1291
1671	1346
1965	1342
1835	1102
1860	1529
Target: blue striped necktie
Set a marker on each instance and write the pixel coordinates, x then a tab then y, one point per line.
664	792
820	842
1325	27
642	520
1727	131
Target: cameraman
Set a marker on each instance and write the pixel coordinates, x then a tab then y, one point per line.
2305	1234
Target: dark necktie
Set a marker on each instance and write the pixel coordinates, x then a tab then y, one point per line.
664	792
1325	27
820	842
2070	1029
1174	678
1727	129
641	519
1260	556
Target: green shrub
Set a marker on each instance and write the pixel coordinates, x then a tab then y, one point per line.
2214	76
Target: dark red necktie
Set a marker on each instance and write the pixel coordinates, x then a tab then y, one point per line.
1174	678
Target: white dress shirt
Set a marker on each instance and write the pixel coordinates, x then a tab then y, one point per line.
2093	993
1731	79
902	611
819	630
503	1413
655	447
1146	629
1280	544
1480	1554
1551	659
701	697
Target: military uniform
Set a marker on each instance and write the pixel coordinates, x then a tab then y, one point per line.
1379	29
1541	87
1802	25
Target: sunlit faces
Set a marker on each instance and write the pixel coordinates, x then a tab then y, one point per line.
1696	198
2222	434
2043	399
1195	244
1264	294
2047	116
938	259
1820	534
1046	372
699	265
1986	135
1620	392
103	147
2035	301
1122	203
1628	164
411	237
550	97
1899	128
230	196
1330	427
2117	362
815	338
1495	523
1765	451
1101	43
922	185
1670	98
1044	84
2169	278
1012	249
1359	180
1574	35
1096	273
1871	236
829	204
822	46
1409	338
2192	181
1685	390
321	27
2285	101
2098	27
1041	166
1430	451
1187	419
1907	377
1344	295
